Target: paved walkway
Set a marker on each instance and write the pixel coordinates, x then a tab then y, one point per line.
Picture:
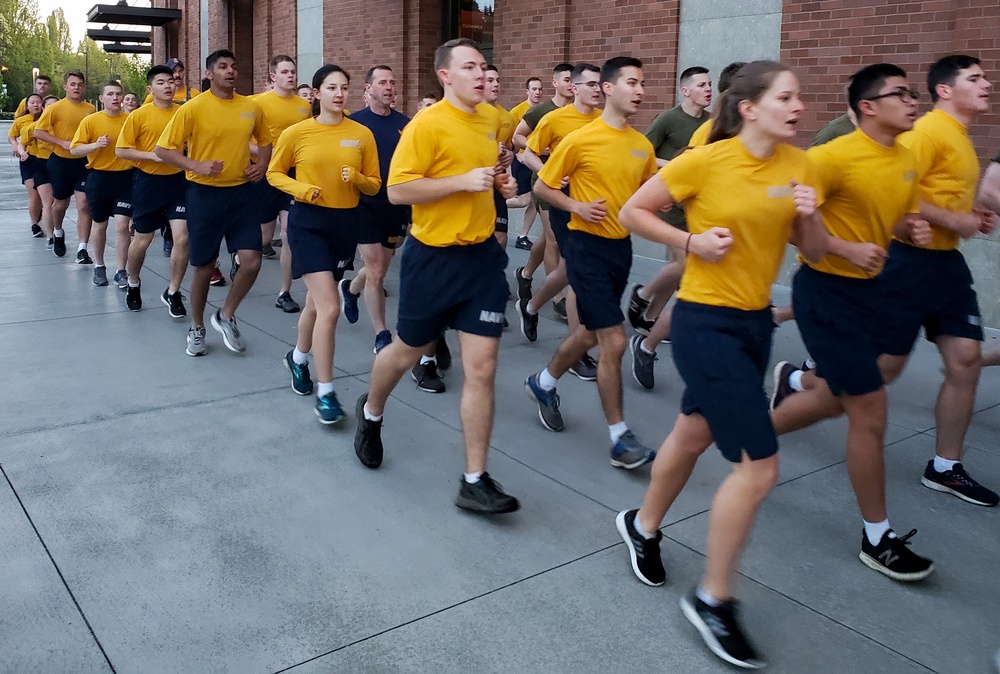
166	513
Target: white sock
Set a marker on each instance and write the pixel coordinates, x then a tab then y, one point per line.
299	358
99	266
642	345
706	597
57	232
82	246
133	282
546	380
473	478
428	359
643	295
795	380
639	530
324	387
617	430
526	278
371	417
531	312
810	363
942	465
876	530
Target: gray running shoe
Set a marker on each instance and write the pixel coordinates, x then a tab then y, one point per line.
121	279
230	332
629	453
100	276
548	404
642	363
196	342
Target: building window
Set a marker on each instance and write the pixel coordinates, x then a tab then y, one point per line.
472	19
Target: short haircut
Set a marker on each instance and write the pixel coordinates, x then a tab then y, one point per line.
74	73
867	82
527	85
581	68
158	70
327	70
44	77
370	75
492	68
303	86
688	73
945	71
206	84
279	58
216	55
112	83
727	75
50	97
434	96
442	55
612	68
562	68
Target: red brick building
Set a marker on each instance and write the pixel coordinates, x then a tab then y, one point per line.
825	40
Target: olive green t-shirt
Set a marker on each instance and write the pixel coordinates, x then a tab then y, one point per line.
835	128
536	112
671	131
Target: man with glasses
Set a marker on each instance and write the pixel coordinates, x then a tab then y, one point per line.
521	173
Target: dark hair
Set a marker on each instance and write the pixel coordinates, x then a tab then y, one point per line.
945	71
74	73
303	86
432	95
370	75
727	75
867	81
442	55
581	68
158	70
50	97
206	84
279	58
216	55
44	77
750	84
527	85
320	76
562	68
26	99
612	68
691	72
492	68
112	83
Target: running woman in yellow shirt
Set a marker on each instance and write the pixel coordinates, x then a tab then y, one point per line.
452	271
32	111
335	161
747	194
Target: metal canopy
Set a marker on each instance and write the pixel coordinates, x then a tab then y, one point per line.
132	16
119	48
107	35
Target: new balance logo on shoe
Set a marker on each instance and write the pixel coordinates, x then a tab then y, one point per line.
888	557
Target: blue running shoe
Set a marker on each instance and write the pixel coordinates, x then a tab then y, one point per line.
548	404
349	301
328	409
382	340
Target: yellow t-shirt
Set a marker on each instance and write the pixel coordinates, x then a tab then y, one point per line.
17	127
21	107
700	135
280	113
318	152
217	129
723	185
443	141
507	125
61	119
142	130
603	163
867	189
517	112
556	125
93	127
35	147
947	169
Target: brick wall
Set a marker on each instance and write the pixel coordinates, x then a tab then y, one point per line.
274	32
828	40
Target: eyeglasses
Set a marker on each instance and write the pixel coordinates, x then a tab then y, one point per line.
592	85
902	93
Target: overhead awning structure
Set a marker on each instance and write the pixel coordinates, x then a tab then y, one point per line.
128	41
119	48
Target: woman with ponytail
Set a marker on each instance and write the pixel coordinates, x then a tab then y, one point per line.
746	194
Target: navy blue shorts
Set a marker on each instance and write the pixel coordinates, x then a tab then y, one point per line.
270	200
322	239
109	193
459	287
40	172
501	224
522	174
598	268
156	200
217	213
841	321
931	289
27	168
382	222
67	176
722	355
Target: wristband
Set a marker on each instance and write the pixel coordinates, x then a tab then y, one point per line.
687	245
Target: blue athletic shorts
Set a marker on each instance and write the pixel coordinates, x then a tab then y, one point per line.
382	222
156	200
501	224
598	268
67	176
217	213
322	239
27	168
109	193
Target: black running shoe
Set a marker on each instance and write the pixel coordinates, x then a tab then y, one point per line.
59	246
893	558
523	243
523	285
958	483
267	252
529	322
287	304
443	354
637	312
133	297
234	266
644	552
37	232
559	308
174	302
782	387
368	436
720	630
585	368
427	377
485	496
83	257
